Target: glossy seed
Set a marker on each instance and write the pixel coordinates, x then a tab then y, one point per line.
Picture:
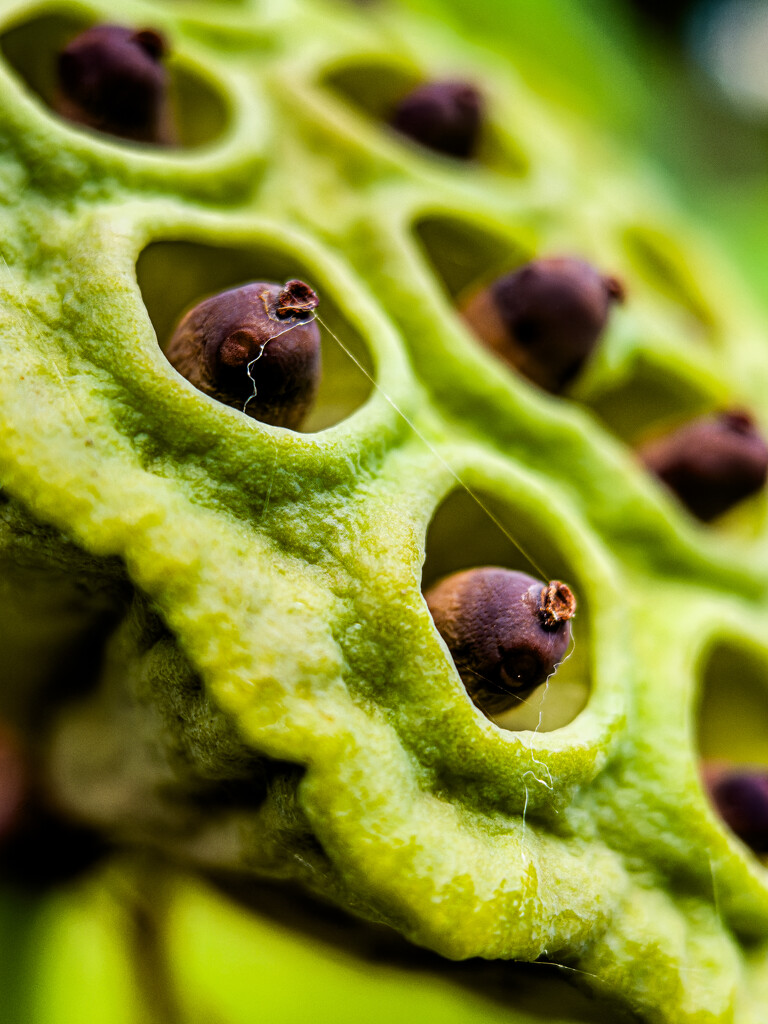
544	319
712	463
444	116
256	348
113	79
507	632
741	798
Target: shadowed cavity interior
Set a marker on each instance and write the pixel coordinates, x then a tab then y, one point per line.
467	256
647	400
733	709
375	88
662	264
732	730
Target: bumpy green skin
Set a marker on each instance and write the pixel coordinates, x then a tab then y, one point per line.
284	570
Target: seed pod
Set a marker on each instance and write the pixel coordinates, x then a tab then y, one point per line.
112	79
443	116
256	348
507	632
712	463
741	798
545	318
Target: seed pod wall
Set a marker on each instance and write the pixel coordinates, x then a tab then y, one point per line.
218	659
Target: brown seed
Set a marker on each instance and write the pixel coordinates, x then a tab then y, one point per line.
712	463
741	798
507	632
112	79
545	318
256	348
445	117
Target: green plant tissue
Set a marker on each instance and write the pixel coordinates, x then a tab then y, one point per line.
259	690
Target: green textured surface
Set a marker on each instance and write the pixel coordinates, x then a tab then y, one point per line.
284	570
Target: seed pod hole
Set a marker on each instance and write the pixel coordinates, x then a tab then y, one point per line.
465	254
732	725
643	395
732	717
449	116
255	347
31	48
660	261
445	115
477	583
373	87
114	80
123	82
240	327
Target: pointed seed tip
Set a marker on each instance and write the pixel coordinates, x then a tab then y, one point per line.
296	299
152	41
558	603
615	288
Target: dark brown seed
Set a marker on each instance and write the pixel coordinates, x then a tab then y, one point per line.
741	798
112	79
712	463
256	348
507	632
445	117
545	318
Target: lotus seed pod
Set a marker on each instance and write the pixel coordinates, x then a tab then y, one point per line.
507	632
445	117
712	463
216	646
112	79
256	348
545	318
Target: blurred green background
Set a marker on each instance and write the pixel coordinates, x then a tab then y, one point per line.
670	81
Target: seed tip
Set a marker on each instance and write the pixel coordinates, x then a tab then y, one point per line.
152	42
738	420
616	288
558	604
296	299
